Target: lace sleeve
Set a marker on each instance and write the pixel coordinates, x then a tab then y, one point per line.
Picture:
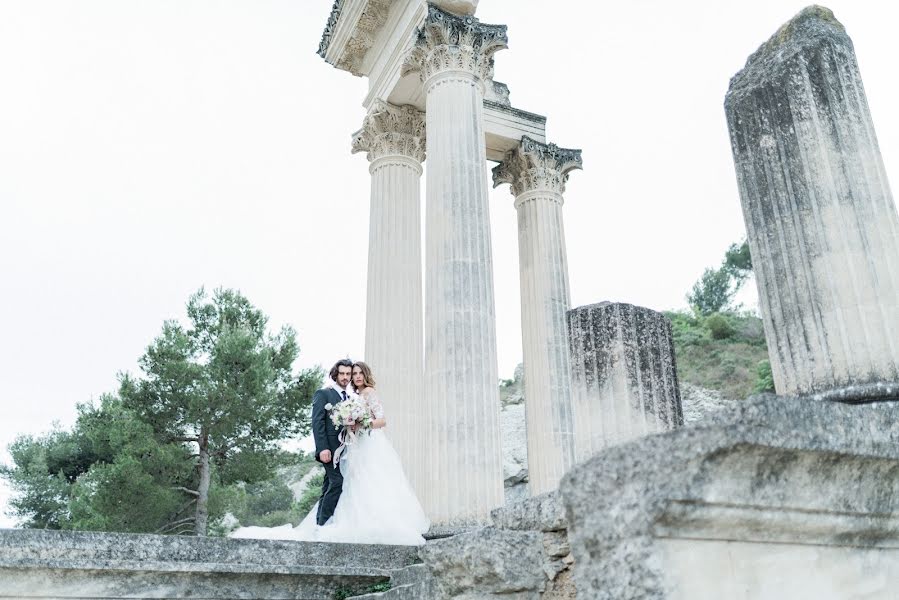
374	403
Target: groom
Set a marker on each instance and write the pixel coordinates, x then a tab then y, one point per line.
325	434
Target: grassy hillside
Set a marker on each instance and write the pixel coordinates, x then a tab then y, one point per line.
725	352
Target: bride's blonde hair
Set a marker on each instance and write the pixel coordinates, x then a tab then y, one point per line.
368	379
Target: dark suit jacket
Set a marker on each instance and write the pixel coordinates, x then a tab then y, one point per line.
323	430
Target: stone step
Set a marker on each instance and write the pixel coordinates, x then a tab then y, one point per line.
78	565
411	574
409	583
401	592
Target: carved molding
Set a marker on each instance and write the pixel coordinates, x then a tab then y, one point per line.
390	130
534	166
330	26
370	22
447	42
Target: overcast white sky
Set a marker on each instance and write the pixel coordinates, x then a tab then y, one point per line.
150	148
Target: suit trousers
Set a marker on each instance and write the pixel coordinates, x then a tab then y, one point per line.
332	487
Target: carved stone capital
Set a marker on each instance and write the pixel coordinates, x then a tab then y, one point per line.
447	42
390	130
534	166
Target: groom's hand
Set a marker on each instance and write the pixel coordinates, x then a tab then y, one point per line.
325	456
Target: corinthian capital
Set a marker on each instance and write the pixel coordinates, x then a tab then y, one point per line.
535	166
447	42
390	130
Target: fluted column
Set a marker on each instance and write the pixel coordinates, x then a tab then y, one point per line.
394	139
822	226
624	375
453	56
537	173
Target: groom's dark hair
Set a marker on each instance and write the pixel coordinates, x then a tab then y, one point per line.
344	362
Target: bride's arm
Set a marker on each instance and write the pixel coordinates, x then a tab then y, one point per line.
377	409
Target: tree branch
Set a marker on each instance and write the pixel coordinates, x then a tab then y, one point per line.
175	524
185	490
186	505
184	438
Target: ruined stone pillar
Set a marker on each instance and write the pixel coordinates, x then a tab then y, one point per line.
394	139
537	173
624	375
821	222
454	56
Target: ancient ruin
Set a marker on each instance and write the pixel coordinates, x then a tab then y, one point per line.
789	496
537	173
624	375
821	221
432	97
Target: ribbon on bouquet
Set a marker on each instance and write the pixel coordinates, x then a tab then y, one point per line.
346	437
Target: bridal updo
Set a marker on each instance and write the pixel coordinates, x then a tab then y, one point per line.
368	379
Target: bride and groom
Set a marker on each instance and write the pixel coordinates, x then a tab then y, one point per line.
365	497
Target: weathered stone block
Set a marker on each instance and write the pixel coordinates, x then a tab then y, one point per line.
487	561
540	513
624	375
821	222
555	544
776	497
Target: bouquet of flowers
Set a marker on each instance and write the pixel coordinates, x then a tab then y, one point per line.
351	413
354	416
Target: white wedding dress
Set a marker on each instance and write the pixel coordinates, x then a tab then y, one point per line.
377	506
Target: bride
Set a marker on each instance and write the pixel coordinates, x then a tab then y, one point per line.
377	505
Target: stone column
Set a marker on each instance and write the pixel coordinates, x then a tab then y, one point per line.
821	222
394	138
454	56
537	173
624	375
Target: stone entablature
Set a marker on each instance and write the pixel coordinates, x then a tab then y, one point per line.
537	166
390	130
377	50
369	22
450	44
354	25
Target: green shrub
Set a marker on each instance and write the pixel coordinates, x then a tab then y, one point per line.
311	493
765	379
719	327
267	497
726	365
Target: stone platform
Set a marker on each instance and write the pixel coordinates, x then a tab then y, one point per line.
82	565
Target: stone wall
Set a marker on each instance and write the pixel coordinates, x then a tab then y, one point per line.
82	565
